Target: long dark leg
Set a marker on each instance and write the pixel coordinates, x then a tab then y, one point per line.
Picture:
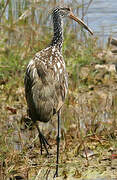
43	141
58	143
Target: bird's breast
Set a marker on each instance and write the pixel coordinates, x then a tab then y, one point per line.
47	82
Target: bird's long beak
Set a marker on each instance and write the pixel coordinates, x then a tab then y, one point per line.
80	22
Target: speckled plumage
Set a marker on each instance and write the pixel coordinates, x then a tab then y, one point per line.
46	77
45	84
46	81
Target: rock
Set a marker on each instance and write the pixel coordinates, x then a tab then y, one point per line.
108	67
112	41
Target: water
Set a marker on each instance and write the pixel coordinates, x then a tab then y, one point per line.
102	18
101	15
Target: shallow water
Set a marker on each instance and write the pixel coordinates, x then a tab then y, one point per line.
102	18
101	15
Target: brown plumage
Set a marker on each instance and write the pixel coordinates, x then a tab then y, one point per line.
46	81
45	84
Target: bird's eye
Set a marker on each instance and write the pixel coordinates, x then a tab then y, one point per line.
68	9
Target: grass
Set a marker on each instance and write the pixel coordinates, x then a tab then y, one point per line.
86	112
83	114
89	125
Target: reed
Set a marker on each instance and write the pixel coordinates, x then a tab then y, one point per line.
89	114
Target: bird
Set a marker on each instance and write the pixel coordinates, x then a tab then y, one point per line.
46	79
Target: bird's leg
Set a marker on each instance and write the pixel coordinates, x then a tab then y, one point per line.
43	140
58	143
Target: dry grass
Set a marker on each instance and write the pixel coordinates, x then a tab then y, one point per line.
89	131
89	118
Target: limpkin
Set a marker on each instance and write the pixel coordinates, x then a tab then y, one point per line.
46	81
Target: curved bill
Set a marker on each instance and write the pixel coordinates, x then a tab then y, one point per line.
80	22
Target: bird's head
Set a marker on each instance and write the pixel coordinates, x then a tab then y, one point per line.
67	12
62	11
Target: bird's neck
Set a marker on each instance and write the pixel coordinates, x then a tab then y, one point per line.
58	32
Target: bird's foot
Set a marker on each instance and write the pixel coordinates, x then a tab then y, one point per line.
44	142
56	174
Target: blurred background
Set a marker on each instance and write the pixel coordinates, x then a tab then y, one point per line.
89	115
99	15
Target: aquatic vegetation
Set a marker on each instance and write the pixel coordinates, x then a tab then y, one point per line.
89	117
